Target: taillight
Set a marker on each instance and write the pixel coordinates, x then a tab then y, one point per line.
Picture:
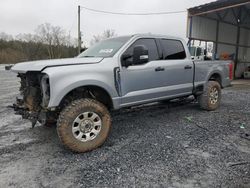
231	71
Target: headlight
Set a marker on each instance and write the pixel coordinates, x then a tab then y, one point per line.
45	90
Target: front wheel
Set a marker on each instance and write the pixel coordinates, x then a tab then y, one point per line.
211	97
84	125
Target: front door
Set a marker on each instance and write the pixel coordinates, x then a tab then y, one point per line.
140	83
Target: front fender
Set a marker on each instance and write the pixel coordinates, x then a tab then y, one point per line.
62	82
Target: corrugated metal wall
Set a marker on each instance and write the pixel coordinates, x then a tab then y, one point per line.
204	29
227	33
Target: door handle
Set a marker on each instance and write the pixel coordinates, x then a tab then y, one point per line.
159	69
188	67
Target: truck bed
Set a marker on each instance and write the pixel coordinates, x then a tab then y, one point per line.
205	69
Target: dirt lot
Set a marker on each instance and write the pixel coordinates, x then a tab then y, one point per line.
152	146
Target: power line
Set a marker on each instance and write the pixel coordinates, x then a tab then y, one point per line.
132	14
117	13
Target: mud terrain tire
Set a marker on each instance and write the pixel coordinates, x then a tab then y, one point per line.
68	119
211	97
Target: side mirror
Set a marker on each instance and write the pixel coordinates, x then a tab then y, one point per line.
125	60
140	55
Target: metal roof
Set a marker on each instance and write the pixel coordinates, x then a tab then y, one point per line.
216	6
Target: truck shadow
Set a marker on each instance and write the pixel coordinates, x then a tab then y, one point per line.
125	121
135	119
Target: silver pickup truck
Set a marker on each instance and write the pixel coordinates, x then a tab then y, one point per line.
78	93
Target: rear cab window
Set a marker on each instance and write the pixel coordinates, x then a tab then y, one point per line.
173	49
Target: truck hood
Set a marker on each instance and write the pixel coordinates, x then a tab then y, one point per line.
40	65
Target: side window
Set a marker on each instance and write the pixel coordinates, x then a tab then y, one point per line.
149	44
173	49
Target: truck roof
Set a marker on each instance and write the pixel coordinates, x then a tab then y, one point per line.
157	36
149	35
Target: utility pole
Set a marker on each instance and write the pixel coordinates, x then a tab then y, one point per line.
79	30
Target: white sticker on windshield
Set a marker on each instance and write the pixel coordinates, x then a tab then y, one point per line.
106	51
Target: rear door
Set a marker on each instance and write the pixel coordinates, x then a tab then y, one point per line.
178	68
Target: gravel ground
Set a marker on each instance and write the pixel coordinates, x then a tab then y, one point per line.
158	145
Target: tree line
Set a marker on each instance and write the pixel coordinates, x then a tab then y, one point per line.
47	42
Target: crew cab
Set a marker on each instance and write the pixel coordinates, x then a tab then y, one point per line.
78	93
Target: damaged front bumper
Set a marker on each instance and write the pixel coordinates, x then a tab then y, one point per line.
34	96
20	109
41	116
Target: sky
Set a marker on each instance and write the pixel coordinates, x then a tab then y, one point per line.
23	16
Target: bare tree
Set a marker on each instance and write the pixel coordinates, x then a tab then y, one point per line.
6	37
31	45
26	37
108	33
47	42
55	37
44	33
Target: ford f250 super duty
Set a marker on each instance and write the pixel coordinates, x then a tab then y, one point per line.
78	93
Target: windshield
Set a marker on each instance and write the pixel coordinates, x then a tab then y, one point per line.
105	48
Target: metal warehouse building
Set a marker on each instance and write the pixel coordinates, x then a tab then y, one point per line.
226	23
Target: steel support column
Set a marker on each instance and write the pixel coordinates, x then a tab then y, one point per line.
216	39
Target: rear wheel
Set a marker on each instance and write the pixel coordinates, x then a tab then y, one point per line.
84	125
211	97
